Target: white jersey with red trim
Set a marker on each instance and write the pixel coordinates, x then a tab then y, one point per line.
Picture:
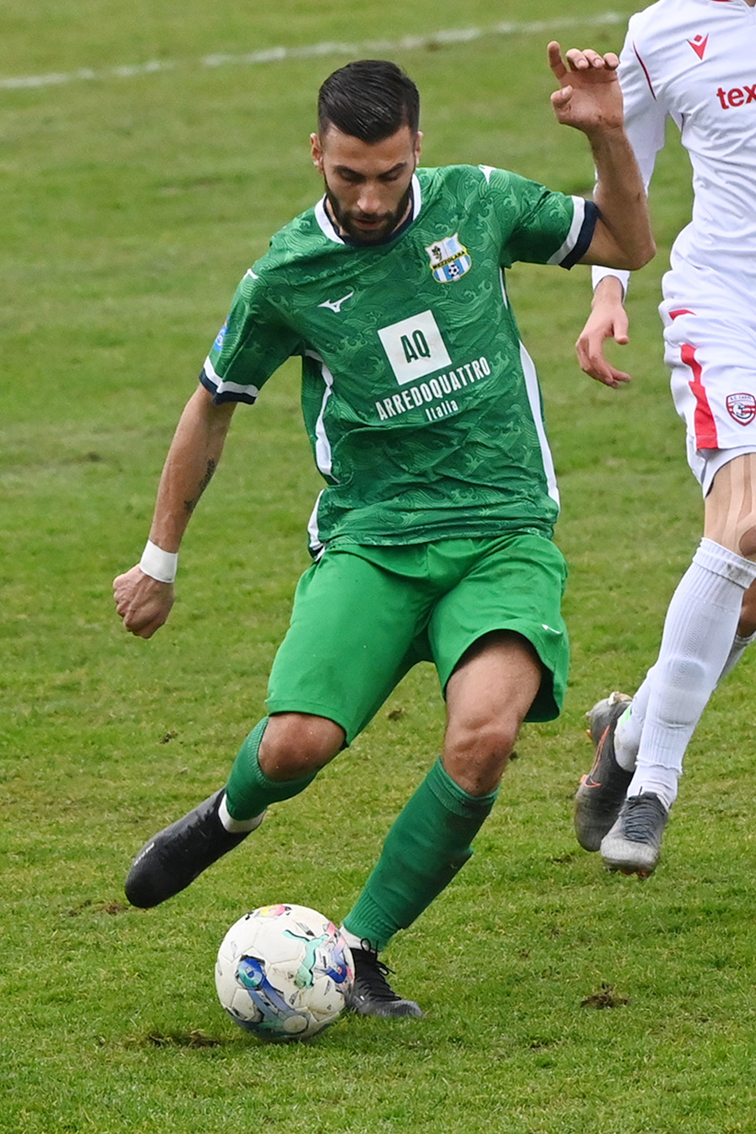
695	61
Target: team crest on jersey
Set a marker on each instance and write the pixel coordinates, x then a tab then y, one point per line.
741	408
449	259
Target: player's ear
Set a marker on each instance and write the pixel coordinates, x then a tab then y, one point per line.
317	152
417	148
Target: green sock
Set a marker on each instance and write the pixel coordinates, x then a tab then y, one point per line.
426	846
249	791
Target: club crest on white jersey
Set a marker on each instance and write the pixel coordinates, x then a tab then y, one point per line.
449	259
741	408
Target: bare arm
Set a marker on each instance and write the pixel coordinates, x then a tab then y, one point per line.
644	118
607	320
142	602
590	100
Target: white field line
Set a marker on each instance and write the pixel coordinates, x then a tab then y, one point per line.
309	51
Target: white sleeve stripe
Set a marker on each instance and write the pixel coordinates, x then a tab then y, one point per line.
228	388
210	372
575	229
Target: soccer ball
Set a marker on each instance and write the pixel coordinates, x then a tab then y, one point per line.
283	972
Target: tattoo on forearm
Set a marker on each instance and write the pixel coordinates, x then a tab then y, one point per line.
190	505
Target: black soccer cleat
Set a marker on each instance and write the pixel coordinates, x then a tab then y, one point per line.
602	791
633	846
173	858
371	994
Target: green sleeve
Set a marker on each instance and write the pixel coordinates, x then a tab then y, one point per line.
536	222
254	341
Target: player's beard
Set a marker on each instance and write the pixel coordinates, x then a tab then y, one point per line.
381	225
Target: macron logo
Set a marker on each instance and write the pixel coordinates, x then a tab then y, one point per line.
698	43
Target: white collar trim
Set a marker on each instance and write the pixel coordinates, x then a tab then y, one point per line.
326	225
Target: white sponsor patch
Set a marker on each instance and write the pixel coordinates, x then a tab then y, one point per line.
414	347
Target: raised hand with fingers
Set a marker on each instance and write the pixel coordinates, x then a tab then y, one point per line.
589	96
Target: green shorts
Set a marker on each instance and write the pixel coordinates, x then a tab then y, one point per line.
363	616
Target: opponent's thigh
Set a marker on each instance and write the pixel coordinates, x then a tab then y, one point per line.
730	517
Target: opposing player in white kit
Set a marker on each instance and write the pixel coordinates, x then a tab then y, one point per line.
694	61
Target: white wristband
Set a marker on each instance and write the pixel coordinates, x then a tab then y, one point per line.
598	274
159	564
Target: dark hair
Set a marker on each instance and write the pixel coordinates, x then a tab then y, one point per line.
370	99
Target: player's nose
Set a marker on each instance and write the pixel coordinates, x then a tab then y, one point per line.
369	200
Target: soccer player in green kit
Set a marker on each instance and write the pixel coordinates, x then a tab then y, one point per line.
432	538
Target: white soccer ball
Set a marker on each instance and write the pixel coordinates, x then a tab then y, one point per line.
283	972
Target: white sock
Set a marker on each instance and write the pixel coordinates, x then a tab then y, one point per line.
659	780
352	940
629	728
736	652
237	826
627	735
698	634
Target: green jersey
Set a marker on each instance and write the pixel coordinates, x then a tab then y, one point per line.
420	401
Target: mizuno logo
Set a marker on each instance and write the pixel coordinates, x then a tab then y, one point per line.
698	43
335	304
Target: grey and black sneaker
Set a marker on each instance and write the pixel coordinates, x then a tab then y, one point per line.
173	858
633	845
371	993
602	791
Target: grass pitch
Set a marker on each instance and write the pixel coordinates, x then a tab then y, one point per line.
149	152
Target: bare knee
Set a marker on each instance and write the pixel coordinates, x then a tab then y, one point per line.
747	546
295	744
476	752
487	697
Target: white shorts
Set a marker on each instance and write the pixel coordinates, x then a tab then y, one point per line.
710	349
